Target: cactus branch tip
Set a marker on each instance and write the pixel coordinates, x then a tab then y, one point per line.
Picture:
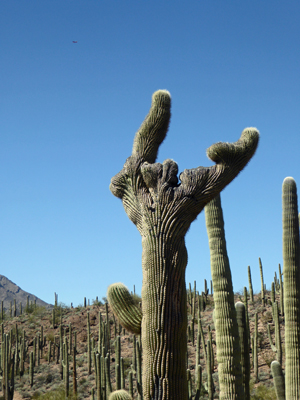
161	95
245	147
289	181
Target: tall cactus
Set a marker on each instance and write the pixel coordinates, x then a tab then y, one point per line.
262	282
227	333
163	209
244	343
291	273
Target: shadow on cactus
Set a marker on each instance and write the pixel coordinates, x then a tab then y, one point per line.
163	206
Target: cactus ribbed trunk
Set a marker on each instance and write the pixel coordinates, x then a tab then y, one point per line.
227	334
164	321
291	273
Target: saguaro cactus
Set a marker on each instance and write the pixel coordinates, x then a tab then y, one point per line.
163	208
291	273
227	332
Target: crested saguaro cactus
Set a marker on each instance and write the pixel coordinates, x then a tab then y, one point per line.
162	208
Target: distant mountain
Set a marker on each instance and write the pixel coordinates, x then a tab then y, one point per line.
9	291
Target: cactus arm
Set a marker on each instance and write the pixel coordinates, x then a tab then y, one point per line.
201	184
128	184
154	128
123	306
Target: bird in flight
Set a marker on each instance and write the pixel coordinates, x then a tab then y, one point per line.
74	41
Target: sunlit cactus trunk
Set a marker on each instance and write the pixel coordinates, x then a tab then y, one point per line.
291	274
227	333
164	317
162	208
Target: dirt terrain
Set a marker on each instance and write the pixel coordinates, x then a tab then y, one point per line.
47	375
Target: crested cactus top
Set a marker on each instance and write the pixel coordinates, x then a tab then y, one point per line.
143	183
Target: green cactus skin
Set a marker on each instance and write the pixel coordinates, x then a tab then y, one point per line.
89	353
65	365
122	371
107	376
273	292
100	333
254	349
281	292
198	340
211	347
291	273
123	306
74	372
49	352
163	209
120	395
130	383
7	362
118	350
200	332
277	333
227	334
139	370
31	368
244	342
198	380
262	282
118	376
210	387
278	380
270	338
246	313
103	377
189	382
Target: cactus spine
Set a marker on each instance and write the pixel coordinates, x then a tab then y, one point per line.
227	337
163	211
291	271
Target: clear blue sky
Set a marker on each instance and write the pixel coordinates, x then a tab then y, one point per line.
69	113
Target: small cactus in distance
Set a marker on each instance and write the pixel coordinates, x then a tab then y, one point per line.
119	395
262	282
